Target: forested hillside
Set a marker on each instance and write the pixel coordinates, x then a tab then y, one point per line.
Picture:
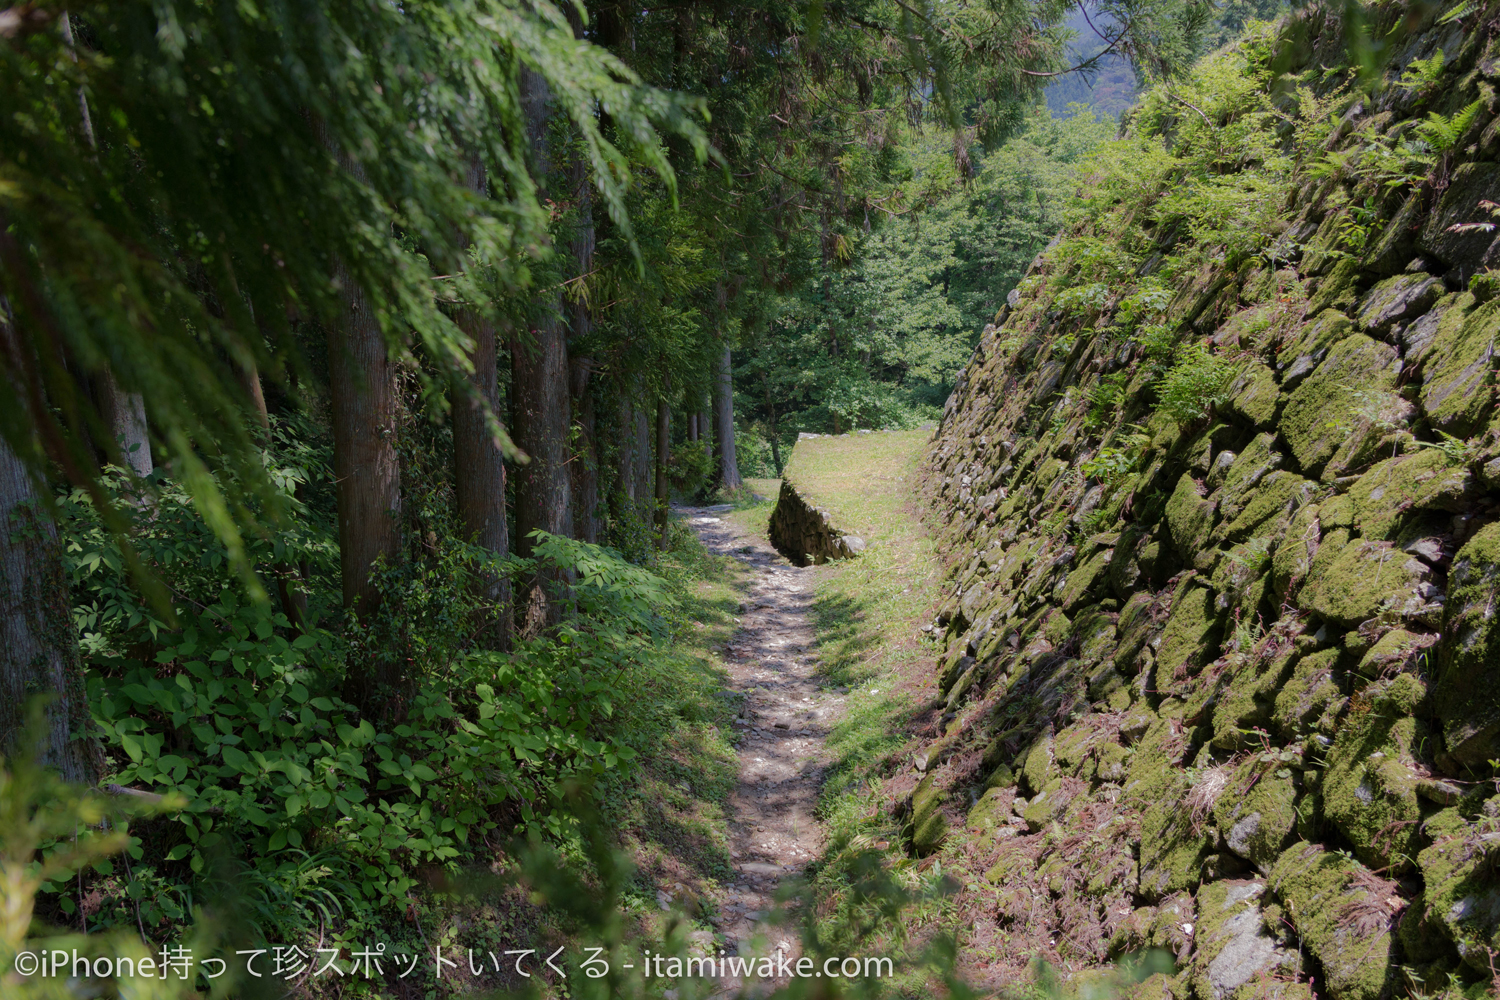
1219	497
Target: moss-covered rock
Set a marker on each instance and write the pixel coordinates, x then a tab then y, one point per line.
1037	766
1465	692
1457	388
992	812
1249	697
1294	553
1370	789
1310	344
1462	893
1321	411
1257	811
1310	700
1394	652
1396	300
1190	519
927	827
1190	636
1084	583
1362	578
1173	846
1343	913
1232	944
1254	396
1425	480
1442	236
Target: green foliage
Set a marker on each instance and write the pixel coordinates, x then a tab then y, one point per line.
1106	397
1194	384
1423	74
878	342
242	718
1442	132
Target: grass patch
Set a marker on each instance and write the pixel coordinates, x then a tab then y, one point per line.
867	614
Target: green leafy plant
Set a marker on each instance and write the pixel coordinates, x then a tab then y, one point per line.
1443	132
1423	74
1194	384
1106	397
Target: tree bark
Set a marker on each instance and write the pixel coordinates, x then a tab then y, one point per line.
363	413
584	467
124	414
539	380
250	382
478	462
663	449
643	465
728	471
38	644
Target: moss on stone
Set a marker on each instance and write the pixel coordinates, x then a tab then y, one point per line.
1172	846
1294	552
1257	812
1310	699
928	826
1352	582
1393	652
1323	408
1369	788
1255	397
1046	805
1462	894
1425	480
1037	766
1457	393
1155	767
1084	584
992	811
1190	519
1465	692
1249	698
1269	508
1331	900
1190	636
1232	946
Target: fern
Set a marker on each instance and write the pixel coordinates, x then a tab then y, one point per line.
1442	133
1462	10
1423	73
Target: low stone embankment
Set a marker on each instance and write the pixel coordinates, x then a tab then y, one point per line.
1228	683
803	533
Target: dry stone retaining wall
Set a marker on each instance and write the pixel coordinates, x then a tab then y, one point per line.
1242	702
804	533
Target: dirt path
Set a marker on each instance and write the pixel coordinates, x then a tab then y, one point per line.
785	718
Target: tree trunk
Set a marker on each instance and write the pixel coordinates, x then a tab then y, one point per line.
250	382
38	644
643	465
479	466
663	448
361	378
584	467
124	414
478	462
625	445
728	471
539	380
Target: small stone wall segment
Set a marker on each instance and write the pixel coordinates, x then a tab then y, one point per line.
803	534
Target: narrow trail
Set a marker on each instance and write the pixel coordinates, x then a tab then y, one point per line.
783	724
